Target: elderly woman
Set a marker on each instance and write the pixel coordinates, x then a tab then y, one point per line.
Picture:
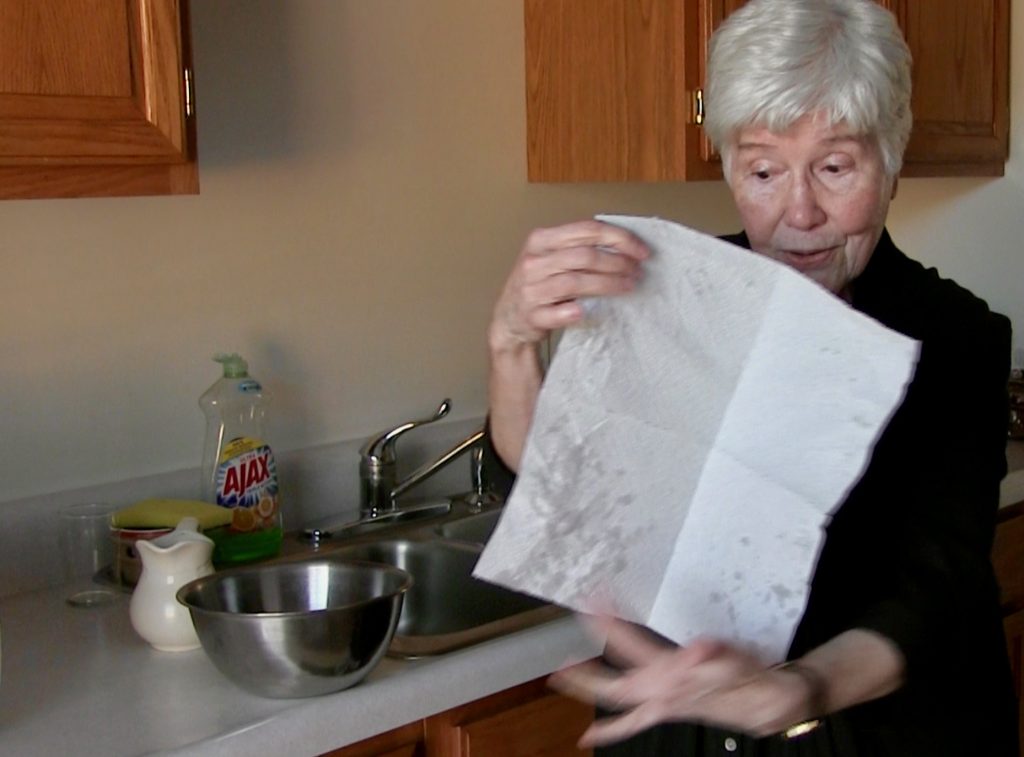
900	650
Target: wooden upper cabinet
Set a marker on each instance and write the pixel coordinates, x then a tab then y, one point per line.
606	89
94	98
611	87
960	102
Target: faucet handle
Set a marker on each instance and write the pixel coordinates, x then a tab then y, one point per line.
477	474
382	446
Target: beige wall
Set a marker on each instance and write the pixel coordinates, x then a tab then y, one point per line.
363	195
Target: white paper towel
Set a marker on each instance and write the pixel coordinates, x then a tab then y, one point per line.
690	442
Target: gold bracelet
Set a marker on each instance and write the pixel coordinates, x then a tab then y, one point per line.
800	729
816	700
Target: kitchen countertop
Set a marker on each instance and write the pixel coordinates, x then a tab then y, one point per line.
80	681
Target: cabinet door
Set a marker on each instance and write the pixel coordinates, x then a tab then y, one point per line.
960	97
1008	557
93	98
527	721
960	100
1014	627
612	87
406	741
606	84
1008	563
545	727
712	13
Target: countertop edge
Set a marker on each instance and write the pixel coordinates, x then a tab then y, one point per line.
407	691
68	674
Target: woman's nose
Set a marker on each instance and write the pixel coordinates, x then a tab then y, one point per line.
803	211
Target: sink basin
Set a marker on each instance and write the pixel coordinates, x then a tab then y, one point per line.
447	608
347	529
474	528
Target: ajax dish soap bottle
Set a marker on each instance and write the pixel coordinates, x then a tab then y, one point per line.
239	471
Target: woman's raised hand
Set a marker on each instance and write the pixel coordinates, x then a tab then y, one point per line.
556	267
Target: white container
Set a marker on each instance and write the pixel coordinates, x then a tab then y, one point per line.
168	563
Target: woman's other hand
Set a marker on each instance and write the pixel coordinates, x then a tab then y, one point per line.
707	681
556	267
714	683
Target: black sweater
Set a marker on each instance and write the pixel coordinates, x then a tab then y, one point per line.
907	554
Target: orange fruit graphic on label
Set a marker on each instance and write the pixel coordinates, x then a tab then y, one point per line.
266	507
243	519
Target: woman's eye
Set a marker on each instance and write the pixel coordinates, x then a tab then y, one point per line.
762	174
836	167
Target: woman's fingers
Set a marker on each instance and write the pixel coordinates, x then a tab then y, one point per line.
573	258
611	729
574	272
589	682
587	234
556	268
625	643
707	680
656	673
599	684
578	260
566	286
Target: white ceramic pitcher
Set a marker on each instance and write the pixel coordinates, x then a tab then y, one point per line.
168	563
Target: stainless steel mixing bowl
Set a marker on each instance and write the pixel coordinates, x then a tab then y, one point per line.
297	629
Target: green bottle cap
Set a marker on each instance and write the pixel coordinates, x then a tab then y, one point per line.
234	365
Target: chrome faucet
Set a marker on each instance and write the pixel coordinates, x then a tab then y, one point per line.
379	488
378	484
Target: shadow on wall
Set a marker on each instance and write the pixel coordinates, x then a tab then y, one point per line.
244	80
288	385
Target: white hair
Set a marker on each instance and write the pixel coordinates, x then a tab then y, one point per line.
772	62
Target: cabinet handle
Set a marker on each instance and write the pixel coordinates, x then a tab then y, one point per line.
698	106
189	98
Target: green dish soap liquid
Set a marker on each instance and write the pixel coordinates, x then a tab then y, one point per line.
239	471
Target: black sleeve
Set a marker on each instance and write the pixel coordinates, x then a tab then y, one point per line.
498	475
908	554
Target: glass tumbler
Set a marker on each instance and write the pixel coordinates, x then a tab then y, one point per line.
87	553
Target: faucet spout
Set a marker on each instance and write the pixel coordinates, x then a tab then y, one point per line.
378	484
427	470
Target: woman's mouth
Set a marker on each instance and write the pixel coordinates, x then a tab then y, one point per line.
806	259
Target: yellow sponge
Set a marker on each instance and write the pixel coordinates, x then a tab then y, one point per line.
166	513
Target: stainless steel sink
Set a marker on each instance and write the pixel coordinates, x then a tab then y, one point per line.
447	608
333	529
476	529
438	543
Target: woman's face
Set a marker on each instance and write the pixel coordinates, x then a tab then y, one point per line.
814	197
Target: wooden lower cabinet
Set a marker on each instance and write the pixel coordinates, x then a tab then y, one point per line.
528	720
406	741
531	721
1014	625
1008	561
525	721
